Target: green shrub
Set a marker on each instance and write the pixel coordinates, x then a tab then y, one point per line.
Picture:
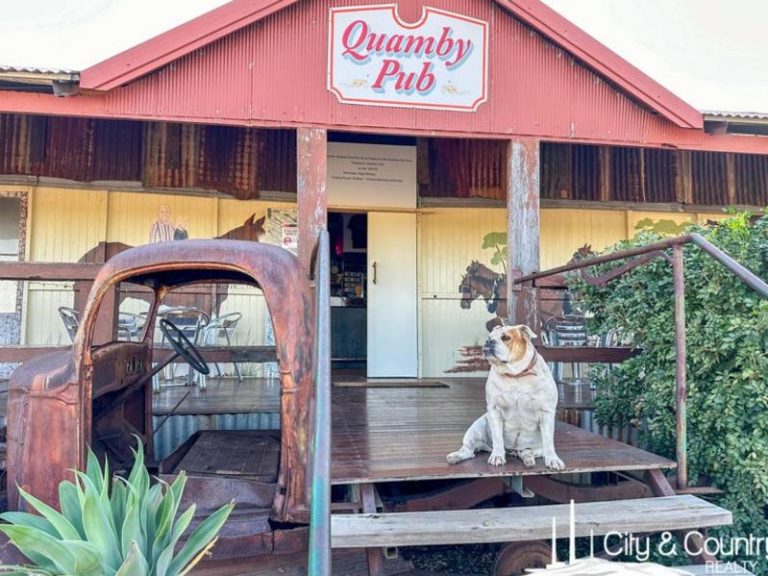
727	325
130	530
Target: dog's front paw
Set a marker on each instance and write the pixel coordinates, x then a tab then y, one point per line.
497	458
528	458
460	455
553	462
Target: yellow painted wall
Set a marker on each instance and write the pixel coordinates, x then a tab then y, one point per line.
564	231
450	238
131	215
66	223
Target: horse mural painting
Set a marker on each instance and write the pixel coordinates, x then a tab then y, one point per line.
480	281
206	299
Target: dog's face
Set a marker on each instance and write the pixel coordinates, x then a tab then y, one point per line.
508	344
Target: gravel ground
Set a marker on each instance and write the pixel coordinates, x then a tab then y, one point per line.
469	560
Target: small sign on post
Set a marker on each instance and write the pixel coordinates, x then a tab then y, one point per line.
440	62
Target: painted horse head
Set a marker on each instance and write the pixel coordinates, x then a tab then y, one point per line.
479	281
251	230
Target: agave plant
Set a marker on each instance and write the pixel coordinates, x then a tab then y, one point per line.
131	530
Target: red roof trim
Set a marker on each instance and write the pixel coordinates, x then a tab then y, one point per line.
177	42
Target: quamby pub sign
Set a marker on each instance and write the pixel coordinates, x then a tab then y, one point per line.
375	58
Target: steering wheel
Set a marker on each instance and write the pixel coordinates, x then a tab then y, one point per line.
183	346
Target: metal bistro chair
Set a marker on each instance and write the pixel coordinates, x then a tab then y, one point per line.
71	319
222	326
566	330
191	322
130	326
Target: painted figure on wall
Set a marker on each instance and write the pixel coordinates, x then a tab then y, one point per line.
162	229
180	233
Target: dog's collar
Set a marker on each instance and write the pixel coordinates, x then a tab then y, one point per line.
528	370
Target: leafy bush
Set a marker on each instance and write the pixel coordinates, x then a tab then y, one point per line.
727	337
132	531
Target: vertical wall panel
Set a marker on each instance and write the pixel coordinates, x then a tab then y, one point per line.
710	178
117	150
14	144
461	168
752	179
626	178
171	155
659	175
229	160
66	223
277	160
564	231
449	239
131	215
585	172
634	217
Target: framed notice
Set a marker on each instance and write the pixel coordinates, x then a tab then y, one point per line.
371	176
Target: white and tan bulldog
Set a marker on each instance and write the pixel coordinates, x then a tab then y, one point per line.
521	397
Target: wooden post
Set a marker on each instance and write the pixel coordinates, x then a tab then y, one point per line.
604	162
523	229
730	167
684	177
311	192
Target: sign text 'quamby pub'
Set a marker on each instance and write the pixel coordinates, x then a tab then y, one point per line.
376	58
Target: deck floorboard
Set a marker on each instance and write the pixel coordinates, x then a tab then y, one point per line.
391	434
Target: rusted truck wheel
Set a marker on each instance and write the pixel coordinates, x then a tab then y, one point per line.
516	557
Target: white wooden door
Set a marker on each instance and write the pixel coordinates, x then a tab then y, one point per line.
392	295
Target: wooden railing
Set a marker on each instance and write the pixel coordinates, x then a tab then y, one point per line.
642	255
320	456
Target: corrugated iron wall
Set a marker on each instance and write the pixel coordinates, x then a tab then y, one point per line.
275	70
112	162
649	175
660	169
461	168
243	162
570	172
233	160
751	179
277	160
14	144
709	174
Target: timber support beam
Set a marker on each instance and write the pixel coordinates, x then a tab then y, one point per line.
523	229
311	189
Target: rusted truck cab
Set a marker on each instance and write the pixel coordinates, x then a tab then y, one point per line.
101	395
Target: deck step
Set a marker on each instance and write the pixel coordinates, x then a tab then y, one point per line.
523	523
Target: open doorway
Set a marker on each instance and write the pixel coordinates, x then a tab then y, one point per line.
349	311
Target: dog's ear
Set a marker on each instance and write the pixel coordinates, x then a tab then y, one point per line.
530	333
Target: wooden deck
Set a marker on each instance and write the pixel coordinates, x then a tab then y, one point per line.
391	434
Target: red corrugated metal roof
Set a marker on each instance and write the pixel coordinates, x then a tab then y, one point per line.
201	31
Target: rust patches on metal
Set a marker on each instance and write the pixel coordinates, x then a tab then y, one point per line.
57	402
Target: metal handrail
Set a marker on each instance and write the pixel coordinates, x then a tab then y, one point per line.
678	272
319	560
